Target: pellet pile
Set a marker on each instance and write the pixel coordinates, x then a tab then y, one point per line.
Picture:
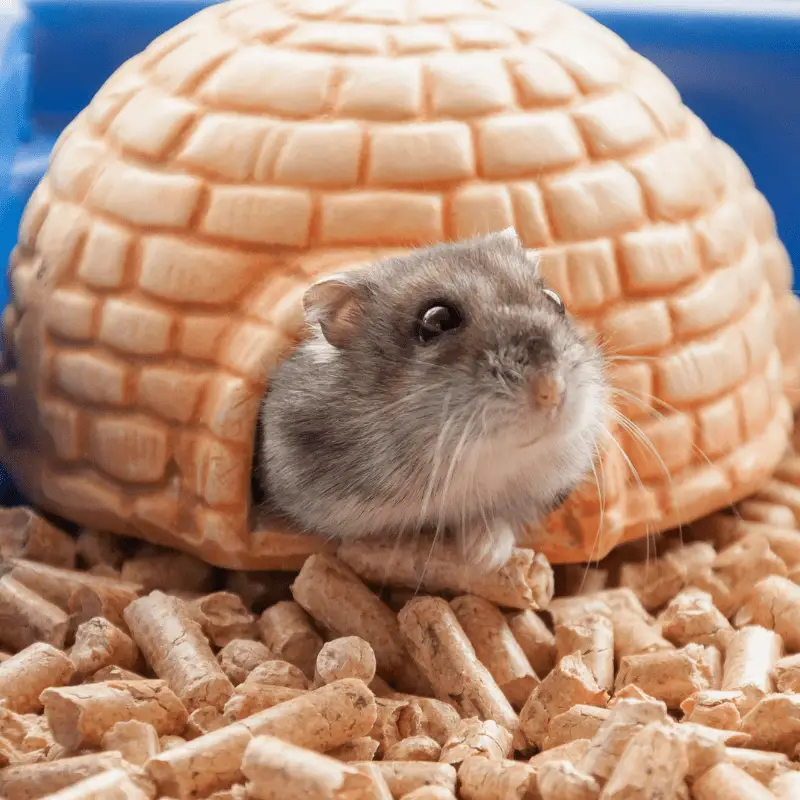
669	670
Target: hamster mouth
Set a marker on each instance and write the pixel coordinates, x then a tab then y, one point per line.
551	413
546	431
548	422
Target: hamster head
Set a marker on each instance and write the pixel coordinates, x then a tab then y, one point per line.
445	390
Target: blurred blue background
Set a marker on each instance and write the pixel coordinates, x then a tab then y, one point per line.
735	62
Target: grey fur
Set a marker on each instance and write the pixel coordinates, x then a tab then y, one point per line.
359	440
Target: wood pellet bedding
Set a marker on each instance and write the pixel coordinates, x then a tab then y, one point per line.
669	670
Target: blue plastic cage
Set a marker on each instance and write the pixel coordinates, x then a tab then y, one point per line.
735	62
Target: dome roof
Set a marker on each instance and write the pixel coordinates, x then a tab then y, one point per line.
161	260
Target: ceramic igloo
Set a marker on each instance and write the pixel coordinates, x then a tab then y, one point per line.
263	143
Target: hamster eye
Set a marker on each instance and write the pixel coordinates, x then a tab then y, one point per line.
556	299
436	320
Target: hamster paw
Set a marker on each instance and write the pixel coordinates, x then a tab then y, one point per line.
489	549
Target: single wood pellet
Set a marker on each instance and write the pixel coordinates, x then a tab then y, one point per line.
174	645
241	656
475	737
438	644
496	647
569	683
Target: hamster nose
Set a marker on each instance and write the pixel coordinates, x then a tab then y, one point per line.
547	390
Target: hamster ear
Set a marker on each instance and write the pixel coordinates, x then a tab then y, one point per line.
508	236
534	259
335	304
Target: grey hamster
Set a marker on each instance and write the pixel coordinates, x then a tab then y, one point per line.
446	391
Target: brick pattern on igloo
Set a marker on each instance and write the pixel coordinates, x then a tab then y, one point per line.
148	402
185	210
